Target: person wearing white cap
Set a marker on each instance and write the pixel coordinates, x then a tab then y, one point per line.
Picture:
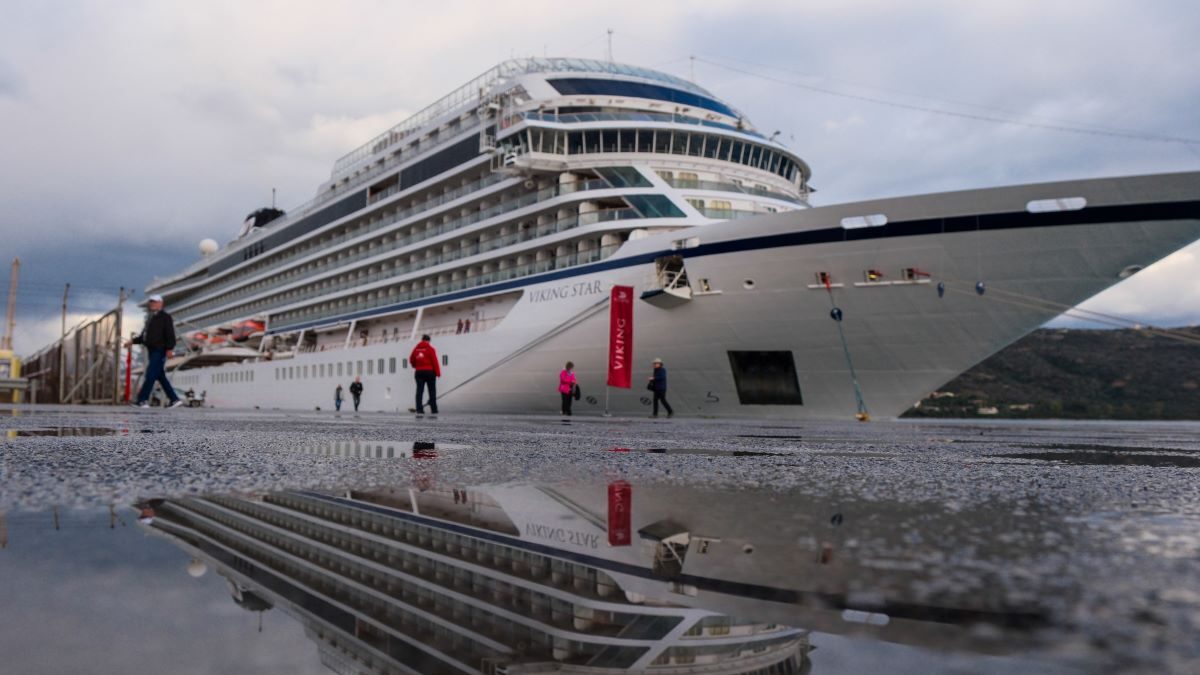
658	384
158	337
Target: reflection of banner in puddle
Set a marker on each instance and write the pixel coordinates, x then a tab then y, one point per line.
620	511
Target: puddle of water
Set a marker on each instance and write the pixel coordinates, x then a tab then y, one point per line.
778	438
1121	458
701	451
66	431
609	576
1099	447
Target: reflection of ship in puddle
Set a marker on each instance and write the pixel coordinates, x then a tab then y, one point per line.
66	431
524	579
441	582
369	449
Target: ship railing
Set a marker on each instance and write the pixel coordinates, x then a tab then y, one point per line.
470	219
728	214
575	118
690	184
487	181
472	93
542	230
531	233
459	99
310	205
509	273
477	326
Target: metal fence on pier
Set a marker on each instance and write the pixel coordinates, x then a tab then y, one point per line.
84	366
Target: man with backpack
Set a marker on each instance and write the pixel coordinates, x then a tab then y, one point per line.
426	370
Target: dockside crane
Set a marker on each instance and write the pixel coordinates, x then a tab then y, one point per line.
10	315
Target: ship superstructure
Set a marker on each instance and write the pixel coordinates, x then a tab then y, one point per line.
537	165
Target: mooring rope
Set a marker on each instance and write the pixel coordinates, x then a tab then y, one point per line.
835	313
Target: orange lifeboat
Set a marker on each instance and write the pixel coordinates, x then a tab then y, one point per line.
244	330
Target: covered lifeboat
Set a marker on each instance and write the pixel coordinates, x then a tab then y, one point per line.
244	330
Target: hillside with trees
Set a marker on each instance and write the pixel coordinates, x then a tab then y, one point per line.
1079	374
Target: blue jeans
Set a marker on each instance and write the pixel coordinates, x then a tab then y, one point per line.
156	371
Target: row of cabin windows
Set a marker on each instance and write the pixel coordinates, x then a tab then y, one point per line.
662	141
344	369
436	574
427	201
566	254
547	570
237	377
448	575
410	234
324	573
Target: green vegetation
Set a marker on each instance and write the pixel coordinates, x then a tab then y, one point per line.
1078	374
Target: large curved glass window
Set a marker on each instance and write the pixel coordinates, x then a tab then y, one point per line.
573	86
664	141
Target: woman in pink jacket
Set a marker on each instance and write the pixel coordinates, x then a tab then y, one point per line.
566	387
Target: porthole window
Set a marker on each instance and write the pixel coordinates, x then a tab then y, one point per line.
748	284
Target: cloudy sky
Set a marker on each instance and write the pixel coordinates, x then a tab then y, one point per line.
131	130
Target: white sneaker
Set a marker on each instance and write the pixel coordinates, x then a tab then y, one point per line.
178	402
143	404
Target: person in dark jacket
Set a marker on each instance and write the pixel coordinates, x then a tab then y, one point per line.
338	397
426	370
158	337
658	382
356	389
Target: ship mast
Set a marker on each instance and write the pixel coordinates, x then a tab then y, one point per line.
10	317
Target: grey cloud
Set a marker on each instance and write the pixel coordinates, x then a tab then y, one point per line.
12	86
298	75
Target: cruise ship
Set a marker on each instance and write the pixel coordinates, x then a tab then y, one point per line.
498	219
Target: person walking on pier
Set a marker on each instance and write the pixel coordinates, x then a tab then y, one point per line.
158	337
567	385
338	397
356	390
426	370
658	384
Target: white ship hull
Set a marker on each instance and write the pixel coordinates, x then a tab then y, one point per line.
903	339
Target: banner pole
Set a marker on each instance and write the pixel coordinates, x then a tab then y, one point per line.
606	413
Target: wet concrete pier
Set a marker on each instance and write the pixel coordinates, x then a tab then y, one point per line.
914	546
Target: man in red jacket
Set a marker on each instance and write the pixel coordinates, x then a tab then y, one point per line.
427	369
